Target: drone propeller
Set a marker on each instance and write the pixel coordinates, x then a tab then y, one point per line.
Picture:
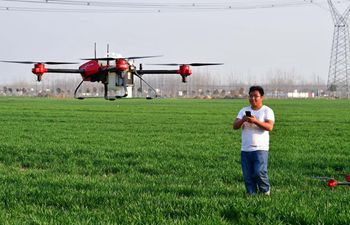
114	58
189	64
32	62
144	57
322	178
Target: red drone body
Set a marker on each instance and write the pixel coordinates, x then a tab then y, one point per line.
89	68
122	65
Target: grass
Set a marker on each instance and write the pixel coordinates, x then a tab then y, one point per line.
163	161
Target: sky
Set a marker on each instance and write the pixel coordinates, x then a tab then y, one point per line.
252	39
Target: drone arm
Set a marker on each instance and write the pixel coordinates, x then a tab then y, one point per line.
64	71
158	72
40	73
343	183
39	70
183	73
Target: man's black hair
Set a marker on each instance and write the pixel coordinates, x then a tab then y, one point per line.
256	88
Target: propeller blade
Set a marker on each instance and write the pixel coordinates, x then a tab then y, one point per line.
32	62
165	64
114	58
322	178
58	63
190	64
23	62
144	57
205	64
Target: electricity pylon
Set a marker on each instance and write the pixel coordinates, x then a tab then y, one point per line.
339	68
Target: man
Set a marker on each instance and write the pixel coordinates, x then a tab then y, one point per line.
256	120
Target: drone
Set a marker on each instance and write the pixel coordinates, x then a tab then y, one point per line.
332	183
115	72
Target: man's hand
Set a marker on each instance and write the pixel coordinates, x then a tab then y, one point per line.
267	125
250	119
239	122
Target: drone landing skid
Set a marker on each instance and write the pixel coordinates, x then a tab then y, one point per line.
82	97
142	80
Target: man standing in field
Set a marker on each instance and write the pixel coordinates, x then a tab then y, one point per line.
257	121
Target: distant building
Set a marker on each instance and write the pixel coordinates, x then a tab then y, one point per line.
296	94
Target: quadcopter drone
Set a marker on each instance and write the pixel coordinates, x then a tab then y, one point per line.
114	72
332	183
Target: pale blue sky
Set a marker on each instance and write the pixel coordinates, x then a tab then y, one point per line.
251	42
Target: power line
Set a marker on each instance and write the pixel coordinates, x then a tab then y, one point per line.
45	10
105	6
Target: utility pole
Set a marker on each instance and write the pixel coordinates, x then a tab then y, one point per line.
339	67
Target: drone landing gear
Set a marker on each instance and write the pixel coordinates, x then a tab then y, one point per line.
76	90
82	98
155	92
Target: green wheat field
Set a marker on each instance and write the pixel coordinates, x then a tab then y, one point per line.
167	161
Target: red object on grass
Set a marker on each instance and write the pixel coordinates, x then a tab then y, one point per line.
332	183
347	178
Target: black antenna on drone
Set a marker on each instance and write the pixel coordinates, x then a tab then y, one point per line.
95	50
107	54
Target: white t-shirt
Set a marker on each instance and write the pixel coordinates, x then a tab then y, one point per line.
253	137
